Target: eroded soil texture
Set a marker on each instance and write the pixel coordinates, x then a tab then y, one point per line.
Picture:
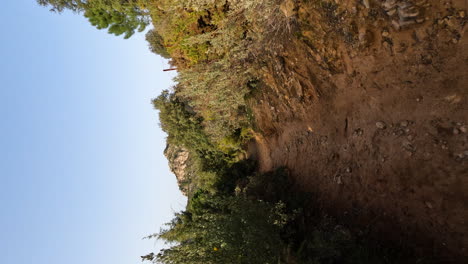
368	108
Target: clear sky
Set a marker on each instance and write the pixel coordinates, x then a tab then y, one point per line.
82	174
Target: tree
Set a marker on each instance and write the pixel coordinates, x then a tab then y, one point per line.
156	44
118	16
223	229
60	5
117	22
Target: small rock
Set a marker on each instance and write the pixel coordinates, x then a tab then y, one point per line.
389	4
391	12
380	125
408	12
456	131
429	205
454	41
404	123
385	34
366	3
449	22
461	14
348	170
410	137
405	23
358	132
338	180
420	20
407	130
408	146
463	129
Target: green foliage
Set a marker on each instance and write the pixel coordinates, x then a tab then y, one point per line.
60	5
223	229
120	17
156	44
177	28
217	91
184	128
181	124
116	22
214	45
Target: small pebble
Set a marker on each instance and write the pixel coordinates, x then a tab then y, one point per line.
404	123
429	205
456	131
463	129
385	34
366	3
380	125
410	137
339	181
391	12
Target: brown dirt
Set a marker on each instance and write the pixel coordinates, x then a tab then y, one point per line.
349	72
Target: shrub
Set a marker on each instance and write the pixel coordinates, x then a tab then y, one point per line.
223	229
156	44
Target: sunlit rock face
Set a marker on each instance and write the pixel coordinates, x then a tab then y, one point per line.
178	158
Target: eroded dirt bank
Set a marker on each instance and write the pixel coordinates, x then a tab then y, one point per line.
370	113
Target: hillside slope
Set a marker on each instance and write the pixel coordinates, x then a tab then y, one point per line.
367	105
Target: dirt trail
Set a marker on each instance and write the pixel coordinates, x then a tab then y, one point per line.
376	123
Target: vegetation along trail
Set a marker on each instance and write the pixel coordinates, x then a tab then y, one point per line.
309	131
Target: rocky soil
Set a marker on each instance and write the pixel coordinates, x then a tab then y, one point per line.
368	108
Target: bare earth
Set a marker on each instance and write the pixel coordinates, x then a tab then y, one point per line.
376	126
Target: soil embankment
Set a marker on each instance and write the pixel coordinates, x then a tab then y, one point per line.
370	113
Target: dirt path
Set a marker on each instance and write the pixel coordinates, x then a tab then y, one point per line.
378	129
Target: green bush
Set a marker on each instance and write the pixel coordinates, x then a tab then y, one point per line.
223	229
156	44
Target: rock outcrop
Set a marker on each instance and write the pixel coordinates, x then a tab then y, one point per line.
179	159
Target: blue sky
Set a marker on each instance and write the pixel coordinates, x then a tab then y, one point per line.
82	174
